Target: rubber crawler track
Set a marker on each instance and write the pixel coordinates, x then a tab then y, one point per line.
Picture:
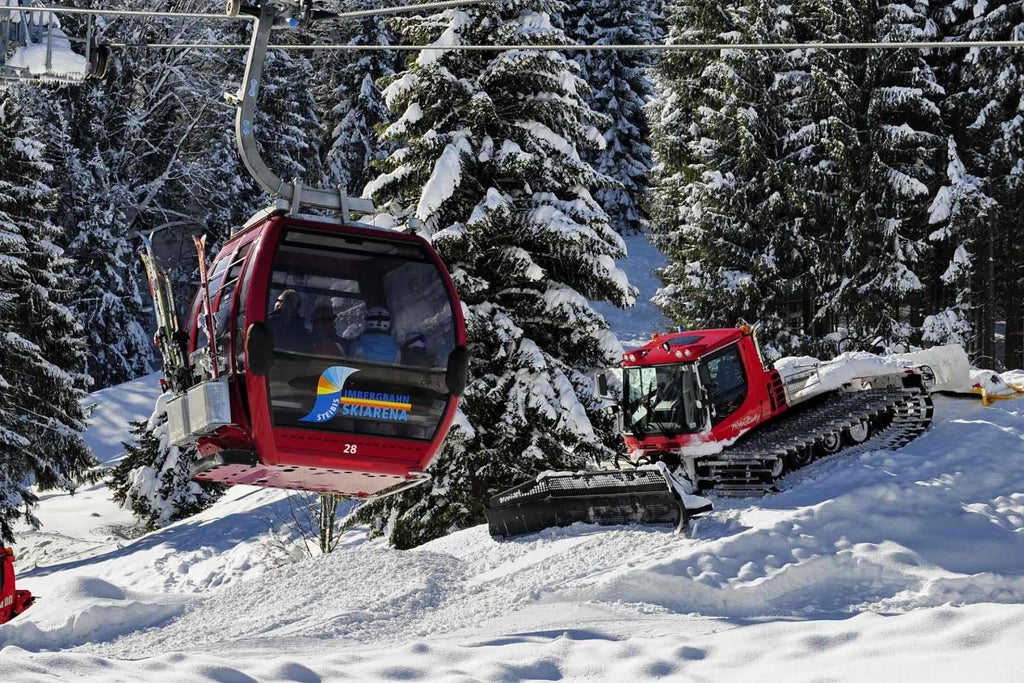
897	416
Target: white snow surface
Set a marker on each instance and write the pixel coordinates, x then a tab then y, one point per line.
883	566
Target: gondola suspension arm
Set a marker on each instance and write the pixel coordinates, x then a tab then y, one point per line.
245	101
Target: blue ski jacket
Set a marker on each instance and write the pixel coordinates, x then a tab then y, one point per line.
375	346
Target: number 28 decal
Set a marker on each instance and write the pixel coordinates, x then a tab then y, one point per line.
350	448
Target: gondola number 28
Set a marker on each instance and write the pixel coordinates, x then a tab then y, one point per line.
350	448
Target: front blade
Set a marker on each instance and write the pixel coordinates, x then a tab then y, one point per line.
639	496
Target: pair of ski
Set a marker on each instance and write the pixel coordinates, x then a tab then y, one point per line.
170	339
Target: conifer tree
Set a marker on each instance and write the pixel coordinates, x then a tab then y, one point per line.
905	152
352	102
94	203
957	206
153	479
822	160
41	350
489	164
718	190
982	108
621	88
287	122
118	156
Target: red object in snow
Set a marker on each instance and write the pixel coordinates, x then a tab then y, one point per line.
12	601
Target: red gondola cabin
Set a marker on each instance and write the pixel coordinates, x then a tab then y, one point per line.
341	356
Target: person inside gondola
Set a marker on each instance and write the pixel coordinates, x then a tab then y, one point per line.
326	341
375	343
415	351
285	321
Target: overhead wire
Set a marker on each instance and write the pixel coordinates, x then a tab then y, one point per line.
451	4
688	47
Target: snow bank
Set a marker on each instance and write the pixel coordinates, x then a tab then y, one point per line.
111	410
86	609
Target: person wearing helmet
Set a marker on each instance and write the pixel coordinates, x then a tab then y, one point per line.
375	343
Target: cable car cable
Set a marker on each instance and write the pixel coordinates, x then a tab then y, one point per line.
691	47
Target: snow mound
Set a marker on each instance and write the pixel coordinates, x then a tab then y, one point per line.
86	610
369	596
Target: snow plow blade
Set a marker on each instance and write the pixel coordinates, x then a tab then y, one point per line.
640	496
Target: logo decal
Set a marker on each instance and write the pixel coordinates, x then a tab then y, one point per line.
328	393
332	397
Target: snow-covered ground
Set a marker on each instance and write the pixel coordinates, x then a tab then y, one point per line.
886	566
901	565
634	326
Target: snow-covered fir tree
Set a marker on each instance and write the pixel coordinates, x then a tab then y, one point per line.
983	110
884	293
800	188
287	123
93	205
351	99
621	88
822	162
719	206
41	349
118	149
489	164
953	215
153	479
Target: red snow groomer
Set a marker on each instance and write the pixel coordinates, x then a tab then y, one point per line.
12	601
701	412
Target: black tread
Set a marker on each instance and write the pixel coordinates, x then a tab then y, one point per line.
897	415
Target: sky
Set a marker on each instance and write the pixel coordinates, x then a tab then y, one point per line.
876	566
